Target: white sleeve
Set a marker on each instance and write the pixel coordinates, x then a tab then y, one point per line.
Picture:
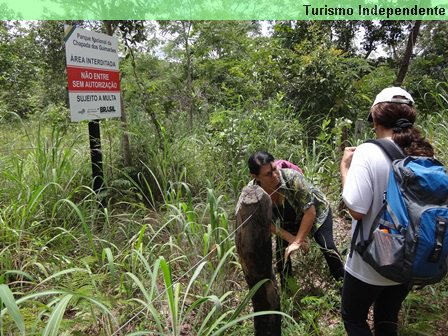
358	188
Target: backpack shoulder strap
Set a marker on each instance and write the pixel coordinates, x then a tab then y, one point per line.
362	245
391	149
358	228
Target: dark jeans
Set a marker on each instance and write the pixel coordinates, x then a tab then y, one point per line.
358	296
324	238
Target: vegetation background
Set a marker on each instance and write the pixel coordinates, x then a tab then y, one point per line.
199	97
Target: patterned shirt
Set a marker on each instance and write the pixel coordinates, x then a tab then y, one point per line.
300	195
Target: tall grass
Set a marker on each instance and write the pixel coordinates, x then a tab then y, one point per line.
160	257
434	126
60	264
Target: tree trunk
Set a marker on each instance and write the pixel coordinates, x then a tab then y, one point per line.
369	51
186	26
408	53
254	247
125	143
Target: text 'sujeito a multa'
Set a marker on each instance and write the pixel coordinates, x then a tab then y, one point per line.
375	10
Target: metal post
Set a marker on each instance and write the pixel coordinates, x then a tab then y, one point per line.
96	155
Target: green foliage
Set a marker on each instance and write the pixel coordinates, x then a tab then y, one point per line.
433	125
237	133
319	79
172	270
51	52
20	66
371	84
7	300
159	257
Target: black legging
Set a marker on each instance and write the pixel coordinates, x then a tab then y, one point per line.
324	238
358	296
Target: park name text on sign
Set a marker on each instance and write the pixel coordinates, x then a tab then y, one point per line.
93	74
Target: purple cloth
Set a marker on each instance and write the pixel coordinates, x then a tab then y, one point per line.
286	164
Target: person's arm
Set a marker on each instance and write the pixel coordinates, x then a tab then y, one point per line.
345	162
306	224
283	234
300	240
356	215
344	167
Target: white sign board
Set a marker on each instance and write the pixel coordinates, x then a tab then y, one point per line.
93	74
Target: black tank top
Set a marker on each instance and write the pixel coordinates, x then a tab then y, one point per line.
287	217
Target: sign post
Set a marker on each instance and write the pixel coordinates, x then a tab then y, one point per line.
96	155
93	86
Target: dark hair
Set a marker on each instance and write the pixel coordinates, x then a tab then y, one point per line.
400	118
258	159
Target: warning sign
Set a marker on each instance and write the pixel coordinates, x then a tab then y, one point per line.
93	74
82	79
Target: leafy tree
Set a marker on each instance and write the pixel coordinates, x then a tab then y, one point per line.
293	33
432	47
51	48
344	33
20	64
386	33
132	33
319	78
428	69
224	52
179	47
213	59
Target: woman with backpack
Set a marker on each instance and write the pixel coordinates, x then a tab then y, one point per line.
364	173
299	209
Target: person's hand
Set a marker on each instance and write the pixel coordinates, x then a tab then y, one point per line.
347	157
303	246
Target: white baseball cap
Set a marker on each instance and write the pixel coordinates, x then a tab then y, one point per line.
387	96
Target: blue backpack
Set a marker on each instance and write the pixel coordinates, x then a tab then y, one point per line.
408	242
